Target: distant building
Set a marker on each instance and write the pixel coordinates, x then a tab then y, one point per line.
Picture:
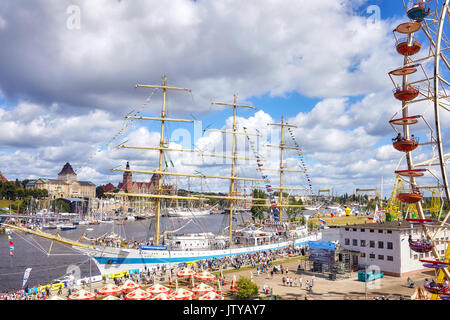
385	245
66	186
108	187
129	186
2	178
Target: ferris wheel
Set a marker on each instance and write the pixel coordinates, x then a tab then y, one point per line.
422	85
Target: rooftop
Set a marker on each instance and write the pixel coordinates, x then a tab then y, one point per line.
390	225
67	169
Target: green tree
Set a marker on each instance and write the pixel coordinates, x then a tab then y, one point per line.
258	211
247	289
99	192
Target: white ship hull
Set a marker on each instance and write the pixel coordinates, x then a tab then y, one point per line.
187	213
112	260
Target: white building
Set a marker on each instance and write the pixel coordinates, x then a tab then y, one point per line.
386	245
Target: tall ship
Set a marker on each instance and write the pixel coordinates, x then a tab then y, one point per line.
170	248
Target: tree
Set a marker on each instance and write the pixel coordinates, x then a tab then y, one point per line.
247	289
99	192
258	211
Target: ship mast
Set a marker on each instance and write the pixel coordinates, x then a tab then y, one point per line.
234	132
282	168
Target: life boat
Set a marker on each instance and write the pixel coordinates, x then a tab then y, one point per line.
438	289
411	173
418	12
406	145
407	94
410	197
405	120
420	247
405	48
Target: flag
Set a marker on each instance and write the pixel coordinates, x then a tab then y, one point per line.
322	221
26	275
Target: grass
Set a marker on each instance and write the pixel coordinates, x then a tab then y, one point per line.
7	203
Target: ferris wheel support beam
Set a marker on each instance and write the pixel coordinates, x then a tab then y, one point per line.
445	272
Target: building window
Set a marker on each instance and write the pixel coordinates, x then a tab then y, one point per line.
389	231
371	230
390	258
363	243
354	229
355	242
363	254
347	242
380	231
346	229
380	245
372	256
363	230
372	244
380	257
390	245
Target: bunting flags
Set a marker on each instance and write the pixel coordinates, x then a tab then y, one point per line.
11	245
273	204
299	153
127	123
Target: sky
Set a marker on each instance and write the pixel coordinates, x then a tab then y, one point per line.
69	70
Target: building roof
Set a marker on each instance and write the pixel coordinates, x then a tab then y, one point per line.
2	178
67	169
389	225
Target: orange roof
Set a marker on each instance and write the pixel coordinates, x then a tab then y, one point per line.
2	178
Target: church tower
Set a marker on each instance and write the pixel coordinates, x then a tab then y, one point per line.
67	174
127	179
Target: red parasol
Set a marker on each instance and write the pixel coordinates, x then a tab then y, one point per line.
182	294
211	296
202	289
162	296
82	295
205	275
129	286
138	294
109	289
157	289
185	273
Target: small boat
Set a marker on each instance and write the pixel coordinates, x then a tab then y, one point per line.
49	226
121	222
93	222
65	227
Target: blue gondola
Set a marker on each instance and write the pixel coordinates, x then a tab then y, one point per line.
418	12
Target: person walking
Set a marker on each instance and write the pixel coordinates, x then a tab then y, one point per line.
300	282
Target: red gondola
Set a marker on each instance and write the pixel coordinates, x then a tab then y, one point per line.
406	145
438	289
405	94
410	197
411	173
405	120
418	246
434	264
404	48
